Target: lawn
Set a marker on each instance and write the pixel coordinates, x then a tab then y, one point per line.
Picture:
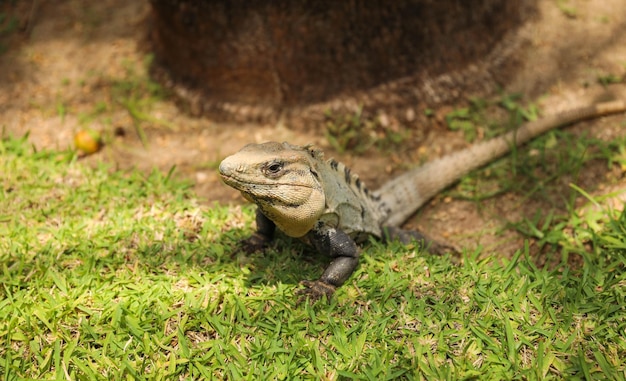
121	275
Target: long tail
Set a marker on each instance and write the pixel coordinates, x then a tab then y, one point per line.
405	194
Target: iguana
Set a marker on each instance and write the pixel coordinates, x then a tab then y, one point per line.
324	204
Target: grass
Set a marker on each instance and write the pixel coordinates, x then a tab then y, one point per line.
476	121
121	275
567	9
358	133
131	92
544	170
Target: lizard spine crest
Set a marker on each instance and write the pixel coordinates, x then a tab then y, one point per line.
353	180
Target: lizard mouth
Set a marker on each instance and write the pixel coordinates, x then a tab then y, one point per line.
262	192
247	184
238	184
228	179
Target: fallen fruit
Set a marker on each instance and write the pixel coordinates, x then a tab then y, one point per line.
88	141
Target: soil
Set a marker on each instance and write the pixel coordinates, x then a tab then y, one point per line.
62	60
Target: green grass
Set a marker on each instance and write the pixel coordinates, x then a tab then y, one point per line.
567	9
109	275
358	133
131	92
543	173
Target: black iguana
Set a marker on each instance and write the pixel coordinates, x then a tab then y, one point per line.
324	204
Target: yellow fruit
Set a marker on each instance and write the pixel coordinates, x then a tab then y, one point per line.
88	141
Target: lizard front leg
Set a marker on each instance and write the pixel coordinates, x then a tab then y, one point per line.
264	233
343	249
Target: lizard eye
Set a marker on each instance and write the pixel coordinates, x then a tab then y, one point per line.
273	168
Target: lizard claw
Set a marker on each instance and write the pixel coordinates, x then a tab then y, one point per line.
315	290
255	243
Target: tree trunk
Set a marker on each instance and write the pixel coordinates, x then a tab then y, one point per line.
258	60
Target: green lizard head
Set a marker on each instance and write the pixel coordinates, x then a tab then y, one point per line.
282	180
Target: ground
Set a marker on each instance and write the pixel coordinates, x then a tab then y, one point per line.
79	64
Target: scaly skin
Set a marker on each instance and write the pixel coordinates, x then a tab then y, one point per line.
323	204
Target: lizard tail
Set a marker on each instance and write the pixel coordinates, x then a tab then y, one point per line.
405	194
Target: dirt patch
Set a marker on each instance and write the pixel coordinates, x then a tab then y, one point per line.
64	60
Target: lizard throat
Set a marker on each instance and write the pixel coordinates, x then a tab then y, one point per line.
294	208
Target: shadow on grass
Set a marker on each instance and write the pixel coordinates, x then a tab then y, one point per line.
285	260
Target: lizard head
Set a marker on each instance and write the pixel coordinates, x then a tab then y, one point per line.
282	180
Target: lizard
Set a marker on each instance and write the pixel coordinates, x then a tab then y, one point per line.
325	205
